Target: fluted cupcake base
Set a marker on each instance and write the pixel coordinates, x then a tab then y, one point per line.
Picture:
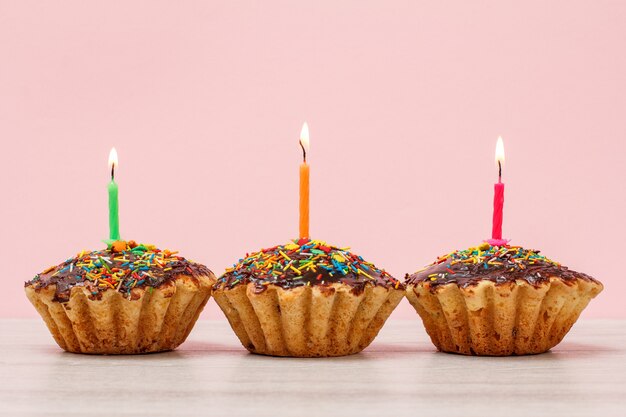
153	320
307	321
501	319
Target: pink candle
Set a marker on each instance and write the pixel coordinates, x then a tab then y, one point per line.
498	205
498	200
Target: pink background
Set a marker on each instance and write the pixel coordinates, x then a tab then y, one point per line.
204	101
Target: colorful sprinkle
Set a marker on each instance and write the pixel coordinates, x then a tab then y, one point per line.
122	267
303	262
497	263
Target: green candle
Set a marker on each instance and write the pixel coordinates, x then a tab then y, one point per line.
114	219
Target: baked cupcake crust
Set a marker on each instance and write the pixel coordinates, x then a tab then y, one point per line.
152	320
307	321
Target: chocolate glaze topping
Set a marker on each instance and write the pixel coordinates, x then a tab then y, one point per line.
305	262
121	268
500	264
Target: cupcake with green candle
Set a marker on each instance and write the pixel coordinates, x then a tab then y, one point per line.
128	298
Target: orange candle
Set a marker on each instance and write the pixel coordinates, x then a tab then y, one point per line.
304	183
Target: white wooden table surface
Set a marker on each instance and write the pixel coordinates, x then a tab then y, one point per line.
400	374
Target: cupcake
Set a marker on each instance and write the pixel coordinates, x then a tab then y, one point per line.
498	300
306	299
126	299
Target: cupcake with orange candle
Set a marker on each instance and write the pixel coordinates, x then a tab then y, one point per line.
306	298
496	299
126	299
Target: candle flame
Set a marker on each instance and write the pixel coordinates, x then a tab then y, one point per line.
113	158
499	151
304	137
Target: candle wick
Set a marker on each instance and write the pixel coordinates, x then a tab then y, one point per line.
303	152
499	171
112	172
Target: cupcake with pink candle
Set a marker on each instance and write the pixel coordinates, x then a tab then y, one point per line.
498	300
495	299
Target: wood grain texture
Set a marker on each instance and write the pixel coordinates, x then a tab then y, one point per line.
400	374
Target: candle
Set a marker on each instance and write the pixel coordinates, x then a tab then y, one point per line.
498	199
114	220
304	183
